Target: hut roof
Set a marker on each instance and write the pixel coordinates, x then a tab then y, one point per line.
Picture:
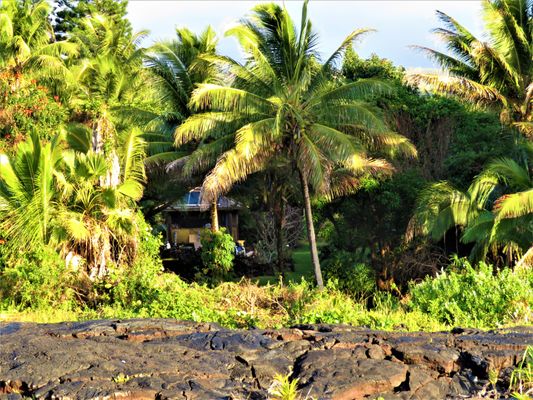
193	201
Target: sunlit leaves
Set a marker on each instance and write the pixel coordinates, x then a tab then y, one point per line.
496	71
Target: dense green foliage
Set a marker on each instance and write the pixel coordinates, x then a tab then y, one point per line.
467	295
496	211
26	107
350	275
39	280
474	298
98	134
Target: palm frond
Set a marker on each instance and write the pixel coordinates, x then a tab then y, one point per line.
346	43
514	205
230	168
211	125
79	137
224	98
206	155
336	144
132	157
463	87
359	90
509	172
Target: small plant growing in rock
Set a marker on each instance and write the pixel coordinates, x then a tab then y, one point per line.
518	396
121	378
522	377
283	388
493	378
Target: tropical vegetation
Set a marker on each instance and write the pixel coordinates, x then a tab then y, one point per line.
497	209
367	195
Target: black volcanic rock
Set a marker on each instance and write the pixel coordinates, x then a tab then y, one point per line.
168	359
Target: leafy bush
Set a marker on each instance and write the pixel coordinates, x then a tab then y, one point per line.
218	252
136	285
39	279
470	296
350	276
39	282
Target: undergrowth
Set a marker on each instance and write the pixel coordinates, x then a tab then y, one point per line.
40	289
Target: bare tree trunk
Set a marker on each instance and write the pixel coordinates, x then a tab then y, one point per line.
214	216
279	217
311	230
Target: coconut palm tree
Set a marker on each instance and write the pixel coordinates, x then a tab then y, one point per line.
178	67
497	72
110	78
26	40
283	106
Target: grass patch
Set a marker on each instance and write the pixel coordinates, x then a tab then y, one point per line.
303	268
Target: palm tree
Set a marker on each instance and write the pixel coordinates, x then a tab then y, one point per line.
27	192
496	212
98	221
178	67
109	79
26	40
50	195
497	72
283	106
110	76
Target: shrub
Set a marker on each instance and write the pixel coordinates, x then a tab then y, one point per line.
468	296
218	252
328	306
356	279
136	285
26	107
39	279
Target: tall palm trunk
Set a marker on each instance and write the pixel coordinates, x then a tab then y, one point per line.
97	137
214	216
311	230
102	244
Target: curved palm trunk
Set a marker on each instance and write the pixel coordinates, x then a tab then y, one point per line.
214	216
311	230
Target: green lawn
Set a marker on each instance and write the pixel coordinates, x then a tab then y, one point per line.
303	268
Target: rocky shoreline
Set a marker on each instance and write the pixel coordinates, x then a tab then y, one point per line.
168	359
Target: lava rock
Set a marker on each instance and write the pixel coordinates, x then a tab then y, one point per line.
169	359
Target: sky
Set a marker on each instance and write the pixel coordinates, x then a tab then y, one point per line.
399	23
